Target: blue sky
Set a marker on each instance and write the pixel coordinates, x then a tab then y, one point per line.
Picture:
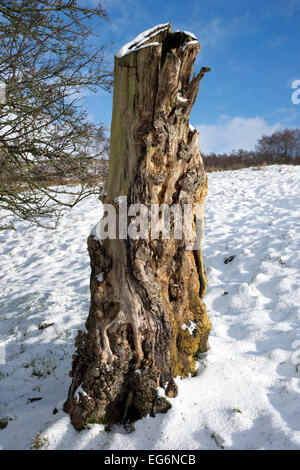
253	49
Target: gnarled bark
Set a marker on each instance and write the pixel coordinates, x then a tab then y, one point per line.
147	320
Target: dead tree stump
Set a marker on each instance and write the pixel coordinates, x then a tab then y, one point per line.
147	320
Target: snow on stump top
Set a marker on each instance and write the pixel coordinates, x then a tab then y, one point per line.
147	83
143	40
153	37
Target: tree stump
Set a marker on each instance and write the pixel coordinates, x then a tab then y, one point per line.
147	320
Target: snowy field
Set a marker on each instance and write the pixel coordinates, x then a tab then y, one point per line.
247	391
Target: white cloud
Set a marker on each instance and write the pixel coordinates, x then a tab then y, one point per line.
213	32
286	7
233	133
286	115
273	43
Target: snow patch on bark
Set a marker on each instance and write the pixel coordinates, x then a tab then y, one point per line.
139	42
189	44
192	326
190	34
180	98
80	391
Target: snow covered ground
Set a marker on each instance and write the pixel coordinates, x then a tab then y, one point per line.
247	392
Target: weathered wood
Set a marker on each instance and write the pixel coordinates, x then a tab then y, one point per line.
135	340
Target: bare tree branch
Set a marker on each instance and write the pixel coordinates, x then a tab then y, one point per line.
49	54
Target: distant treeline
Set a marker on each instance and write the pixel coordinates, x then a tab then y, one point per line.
282	147
74	171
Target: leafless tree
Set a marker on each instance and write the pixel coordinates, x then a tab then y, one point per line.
49	54
280	147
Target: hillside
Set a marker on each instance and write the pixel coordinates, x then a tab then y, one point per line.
246	393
